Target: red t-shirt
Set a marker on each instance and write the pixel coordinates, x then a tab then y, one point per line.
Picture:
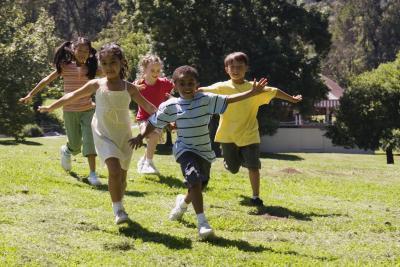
155	94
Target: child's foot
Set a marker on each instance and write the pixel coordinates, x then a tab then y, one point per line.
149	168
65	158
257	202
140	165
94	179
121	217
178	211
205	230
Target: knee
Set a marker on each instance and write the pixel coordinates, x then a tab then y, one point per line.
231	169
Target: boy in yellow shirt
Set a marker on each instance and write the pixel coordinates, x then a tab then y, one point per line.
238	127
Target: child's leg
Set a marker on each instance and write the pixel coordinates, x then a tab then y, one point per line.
152	141
114	179
254	176
195	196
88	148
232	157
251	160
92	162
123	182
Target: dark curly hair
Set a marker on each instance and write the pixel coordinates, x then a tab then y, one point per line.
65	55
185	70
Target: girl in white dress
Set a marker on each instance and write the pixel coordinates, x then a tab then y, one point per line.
111	122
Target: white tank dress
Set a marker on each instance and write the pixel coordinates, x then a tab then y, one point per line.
111	125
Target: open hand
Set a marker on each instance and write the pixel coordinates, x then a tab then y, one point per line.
136	142
44	109
297	98
26	99
259	86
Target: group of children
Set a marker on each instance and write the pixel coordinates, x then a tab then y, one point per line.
104	129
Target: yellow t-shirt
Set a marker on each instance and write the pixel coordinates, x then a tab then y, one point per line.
238	124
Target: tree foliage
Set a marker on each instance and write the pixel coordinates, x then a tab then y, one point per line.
365	33
284	41
24	55
369	114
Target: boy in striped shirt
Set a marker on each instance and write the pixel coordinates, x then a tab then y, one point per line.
191	112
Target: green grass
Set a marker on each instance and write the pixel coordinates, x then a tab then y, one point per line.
321	209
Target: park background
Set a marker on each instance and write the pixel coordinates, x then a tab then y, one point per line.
320	208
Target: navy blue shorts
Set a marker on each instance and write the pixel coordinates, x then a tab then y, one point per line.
195	169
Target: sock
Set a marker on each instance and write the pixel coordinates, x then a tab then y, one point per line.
201	218
116	206
255	197
183	204
92	173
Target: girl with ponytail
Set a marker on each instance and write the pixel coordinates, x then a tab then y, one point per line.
76	62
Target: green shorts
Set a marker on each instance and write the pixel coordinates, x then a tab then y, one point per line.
236	156
78	125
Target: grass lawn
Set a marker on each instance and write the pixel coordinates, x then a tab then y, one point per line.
321	209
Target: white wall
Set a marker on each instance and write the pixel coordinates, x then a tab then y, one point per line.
303	140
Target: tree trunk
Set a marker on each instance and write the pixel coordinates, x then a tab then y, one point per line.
389	156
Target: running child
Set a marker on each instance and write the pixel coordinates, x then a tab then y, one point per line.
76	63
111	122
156	90
192	149
238	126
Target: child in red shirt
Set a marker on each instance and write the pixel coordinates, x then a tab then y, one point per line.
156	90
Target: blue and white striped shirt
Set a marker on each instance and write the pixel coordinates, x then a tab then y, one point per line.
192	117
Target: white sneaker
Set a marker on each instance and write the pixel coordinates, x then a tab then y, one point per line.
140	164
177	212
121	217
94	180
205	230
65	158
149	168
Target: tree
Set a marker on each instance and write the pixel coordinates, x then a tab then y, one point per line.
24	55
285	42
365	33
369	113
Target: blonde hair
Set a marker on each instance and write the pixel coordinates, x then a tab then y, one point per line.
145	61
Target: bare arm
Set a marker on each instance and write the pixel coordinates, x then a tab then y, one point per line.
88	89
257	89
39	87
284	96
140	100
137	141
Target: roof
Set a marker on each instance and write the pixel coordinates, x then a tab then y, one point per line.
335	91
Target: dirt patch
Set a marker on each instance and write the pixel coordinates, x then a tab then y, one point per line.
291	171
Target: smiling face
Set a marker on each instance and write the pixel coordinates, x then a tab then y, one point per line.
152	72
186	85
81	52
236	70
111	65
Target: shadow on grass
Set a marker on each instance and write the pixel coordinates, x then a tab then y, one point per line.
15	143
239	244
280	156
169	180
104	187
281	212
135	230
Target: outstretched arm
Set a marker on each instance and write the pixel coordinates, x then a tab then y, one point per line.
88	89
140	100
39	87
137	141
284	96
257	89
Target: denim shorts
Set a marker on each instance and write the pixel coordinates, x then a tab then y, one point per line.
195	169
